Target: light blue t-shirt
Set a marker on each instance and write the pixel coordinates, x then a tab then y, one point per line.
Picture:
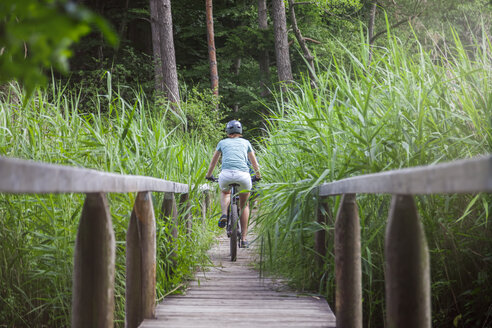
234	153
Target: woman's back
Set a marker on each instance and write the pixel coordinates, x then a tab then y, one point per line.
235	153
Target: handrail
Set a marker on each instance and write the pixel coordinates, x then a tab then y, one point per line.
94	254
407	268
25	176
463	176
407	258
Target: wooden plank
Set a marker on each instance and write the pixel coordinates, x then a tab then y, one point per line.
94	266
232	294
230	320
464	176
245	311
253	296
263	303
23	176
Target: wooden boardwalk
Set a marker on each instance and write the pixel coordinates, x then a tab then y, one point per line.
231	294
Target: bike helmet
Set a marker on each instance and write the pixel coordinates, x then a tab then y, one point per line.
234	127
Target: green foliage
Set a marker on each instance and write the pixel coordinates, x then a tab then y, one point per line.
339	7
433	21
178	260
401	110
37	232
134	70
37	35
196	114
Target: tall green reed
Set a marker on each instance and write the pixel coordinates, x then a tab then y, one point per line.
401	110
37	232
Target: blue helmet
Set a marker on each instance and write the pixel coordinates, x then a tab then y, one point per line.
234	127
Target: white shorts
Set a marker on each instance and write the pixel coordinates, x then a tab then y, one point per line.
227	177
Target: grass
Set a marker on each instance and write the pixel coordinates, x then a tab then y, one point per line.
37	232
401	110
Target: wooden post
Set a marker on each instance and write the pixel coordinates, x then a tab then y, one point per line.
170	210
348	274
407	267
205	204
320	235
208	200
141	262
184	201
94	266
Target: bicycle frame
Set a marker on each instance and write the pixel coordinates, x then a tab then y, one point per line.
233	222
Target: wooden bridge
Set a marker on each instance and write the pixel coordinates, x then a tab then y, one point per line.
407	259
230	294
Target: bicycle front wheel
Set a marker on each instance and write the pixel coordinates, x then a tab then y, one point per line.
234	222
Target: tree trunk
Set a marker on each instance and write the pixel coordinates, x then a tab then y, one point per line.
156	46
235	70
372	19
302	42
263	57
214	75
281	41
122	28
170	75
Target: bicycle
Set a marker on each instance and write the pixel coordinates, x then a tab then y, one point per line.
233	225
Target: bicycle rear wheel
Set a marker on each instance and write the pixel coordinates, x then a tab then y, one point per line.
233	239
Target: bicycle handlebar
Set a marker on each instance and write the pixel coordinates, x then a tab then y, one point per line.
214	179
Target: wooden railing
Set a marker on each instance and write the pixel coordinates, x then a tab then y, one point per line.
94	256
407	272
407	259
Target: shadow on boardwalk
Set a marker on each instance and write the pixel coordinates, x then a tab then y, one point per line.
230	294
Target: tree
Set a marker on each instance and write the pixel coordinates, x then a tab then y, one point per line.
370	27
302	43
214	75
168	58
263	56
156	45
284	69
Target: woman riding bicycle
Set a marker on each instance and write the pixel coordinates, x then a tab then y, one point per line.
235	152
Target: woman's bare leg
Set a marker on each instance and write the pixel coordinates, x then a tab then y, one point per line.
225	199
243	201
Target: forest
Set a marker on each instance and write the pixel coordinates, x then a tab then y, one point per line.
325	90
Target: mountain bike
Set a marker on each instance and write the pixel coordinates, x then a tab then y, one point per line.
233	226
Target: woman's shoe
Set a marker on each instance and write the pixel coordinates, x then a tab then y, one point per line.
222	221
244	244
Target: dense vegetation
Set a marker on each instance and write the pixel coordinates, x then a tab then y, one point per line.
401	110
332	25
37	232
417	92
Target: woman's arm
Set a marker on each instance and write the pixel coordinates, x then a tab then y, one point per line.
254	163
213	163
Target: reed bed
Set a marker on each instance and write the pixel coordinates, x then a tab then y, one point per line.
404	108
37	232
